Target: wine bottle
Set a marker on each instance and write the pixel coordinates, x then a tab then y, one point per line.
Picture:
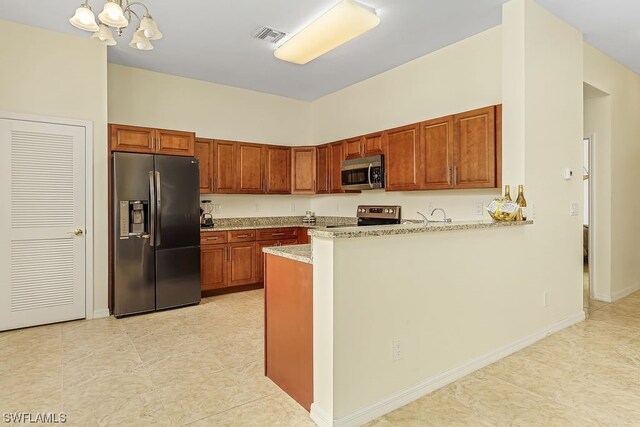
521	201
507	194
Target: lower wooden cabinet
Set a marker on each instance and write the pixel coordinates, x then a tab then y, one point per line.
213	267
242	263
234	258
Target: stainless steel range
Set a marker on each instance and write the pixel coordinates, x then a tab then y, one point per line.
375	215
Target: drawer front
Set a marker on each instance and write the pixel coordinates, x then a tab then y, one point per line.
213	237
241	236
277	233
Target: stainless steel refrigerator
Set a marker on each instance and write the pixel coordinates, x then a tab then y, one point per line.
156	232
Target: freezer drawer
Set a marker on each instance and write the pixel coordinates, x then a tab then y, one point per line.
177	277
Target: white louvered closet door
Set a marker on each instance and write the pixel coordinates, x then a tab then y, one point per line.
42	212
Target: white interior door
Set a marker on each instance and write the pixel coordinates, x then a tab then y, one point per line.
42	223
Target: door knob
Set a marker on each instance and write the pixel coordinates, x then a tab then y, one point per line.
78	231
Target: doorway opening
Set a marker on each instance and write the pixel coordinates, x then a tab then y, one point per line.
587	289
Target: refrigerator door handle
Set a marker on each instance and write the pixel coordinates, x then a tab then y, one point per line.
159	209
152	214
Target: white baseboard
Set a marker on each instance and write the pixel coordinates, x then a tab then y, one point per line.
624	292
409	394
320	417
602	297
98	314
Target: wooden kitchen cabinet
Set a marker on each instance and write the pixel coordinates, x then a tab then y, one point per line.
371	145
249	168
213	267
137	139
277	170
175	142
353	148
436	154
224	167
303	170
474	149
336	156
204	153
242	263
322	169
132	139
400	147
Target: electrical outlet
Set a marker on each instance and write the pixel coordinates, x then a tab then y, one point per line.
257	207
532	211
479	208
217	208
545	298
293	207
396	350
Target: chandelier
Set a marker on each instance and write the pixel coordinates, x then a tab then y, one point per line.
117	14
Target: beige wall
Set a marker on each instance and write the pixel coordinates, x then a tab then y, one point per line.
459	300
59	75
623	86
459	77
145	98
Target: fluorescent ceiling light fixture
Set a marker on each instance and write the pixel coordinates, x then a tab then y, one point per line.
347	20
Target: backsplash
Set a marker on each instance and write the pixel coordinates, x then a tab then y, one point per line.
257	205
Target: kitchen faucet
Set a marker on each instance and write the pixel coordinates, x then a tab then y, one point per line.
426	221
444	214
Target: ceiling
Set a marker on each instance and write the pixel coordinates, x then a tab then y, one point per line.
212	40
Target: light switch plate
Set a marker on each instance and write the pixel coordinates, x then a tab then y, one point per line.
574	209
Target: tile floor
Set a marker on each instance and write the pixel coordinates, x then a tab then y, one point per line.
202	366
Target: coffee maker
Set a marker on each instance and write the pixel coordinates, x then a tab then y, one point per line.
206	218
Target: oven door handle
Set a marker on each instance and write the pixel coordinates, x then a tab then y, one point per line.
369	175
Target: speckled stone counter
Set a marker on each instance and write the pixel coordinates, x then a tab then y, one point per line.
300	253
389	230
229	224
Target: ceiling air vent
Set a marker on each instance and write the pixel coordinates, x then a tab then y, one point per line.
269	34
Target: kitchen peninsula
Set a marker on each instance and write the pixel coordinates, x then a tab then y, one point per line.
396	310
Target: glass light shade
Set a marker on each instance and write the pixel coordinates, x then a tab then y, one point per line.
104	36
113	16
337	26
150	28
84	19
140	41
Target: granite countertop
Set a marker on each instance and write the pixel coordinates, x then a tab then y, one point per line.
301	253
230	224
389	230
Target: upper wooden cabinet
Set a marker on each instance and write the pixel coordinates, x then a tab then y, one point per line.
204	154
277	170
371	144
322	169
436	154
303	170
175	142
224	167
401	158
364	146
474	149
136	139
336	156
133	139
461	151
353	148
249	168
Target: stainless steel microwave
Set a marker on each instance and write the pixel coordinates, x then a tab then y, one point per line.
366	173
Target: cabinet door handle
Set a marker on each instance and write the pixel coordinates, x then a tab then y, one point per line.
278	234
242	236
213	187
211	183
212	238
448	175
455	174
